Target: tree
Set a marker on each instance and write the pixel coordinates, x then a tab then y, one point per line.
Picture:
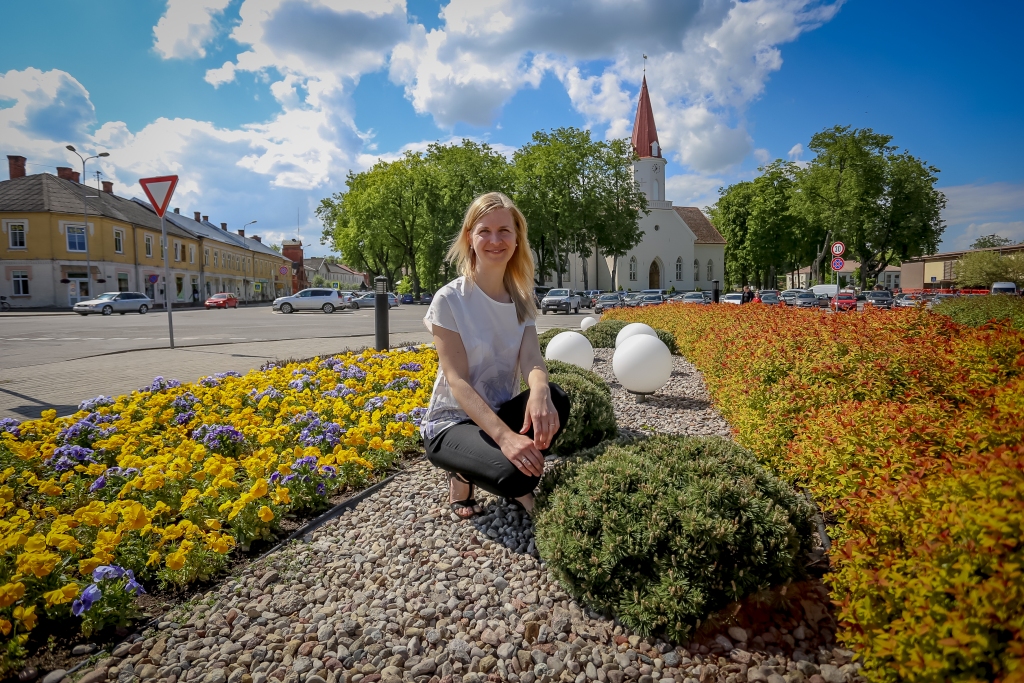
981	269
773	228
276	247
730	215
319	281
881	203
619	203
989	241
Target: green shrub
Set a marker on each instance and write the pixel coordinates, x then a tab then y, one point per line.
975	311
602	335
662	532
591	415
670	341
545	337
557	367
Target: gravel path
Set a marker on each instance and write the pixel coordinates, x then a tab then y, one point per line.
400	590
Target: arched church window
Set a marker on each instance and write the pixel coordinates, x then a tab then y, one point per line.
711	271
696	270
632	268
679	269
657	190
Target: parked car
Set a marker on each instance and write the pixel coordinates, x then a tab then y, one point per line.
909	301
879	299
939	298
632	299
560	300
584	299
844	301
367	300
538	294
606	302
316	298
663	292
651	300
732	298
767	291
114	302
593	295
407	299
788	295
1004	288
426	298
699	298
222	300
768	299
804	300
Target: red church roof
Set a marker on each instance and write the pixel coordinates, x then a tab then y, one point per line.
644	131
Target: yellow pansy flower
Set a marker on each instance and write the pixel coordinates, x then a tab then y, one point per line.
266	514
61	595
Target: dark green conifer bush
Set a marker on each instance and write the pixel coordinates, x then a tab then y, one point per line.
591	415
662	532
602	335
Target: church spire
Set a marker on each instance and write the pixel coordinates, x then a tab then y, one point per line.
645	135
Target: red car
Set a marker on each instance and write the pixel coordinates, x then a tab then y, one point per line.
844	302
222	300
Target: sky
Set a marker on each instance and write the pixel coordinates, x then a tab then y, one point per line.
262	107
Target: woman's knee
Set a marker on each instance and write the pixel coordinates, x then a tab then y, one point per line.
517	485
561	401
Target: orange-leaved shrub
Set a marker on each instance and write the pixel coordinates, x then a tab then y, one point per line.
908	429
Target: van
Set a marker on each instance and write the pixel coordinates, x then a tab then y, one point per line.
1004	288
827	290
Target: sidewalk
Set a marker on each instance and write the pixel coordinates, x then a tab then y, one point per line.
26	392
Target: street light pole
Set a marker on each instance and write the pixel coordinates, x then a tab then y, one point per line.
85	217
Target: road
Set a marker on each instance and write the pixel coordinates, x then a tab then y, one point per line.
57	359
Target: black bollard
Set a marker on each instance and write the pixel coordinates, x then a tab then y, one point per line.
380	312
715	294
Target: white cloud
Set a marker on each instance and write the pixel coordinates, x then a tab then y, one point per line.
979	209
795	152
186	28
762	155
693	189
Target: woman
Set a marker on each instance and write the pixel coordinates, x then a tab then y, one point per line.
483	324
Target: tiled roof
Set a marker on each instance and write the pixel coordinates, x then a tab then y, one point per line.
208	230
45	192
644	130
313	262
700	225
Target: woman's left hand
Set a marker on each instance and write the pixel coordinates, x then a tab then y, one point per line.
542	416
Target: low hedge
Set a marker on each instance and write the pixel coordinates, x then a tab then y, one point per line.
664	531
603	334
591	416
979	310
905	426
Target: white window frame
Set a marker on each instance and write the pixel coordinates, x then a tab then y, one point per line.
216	259
19	280
118	241
696	270
679	269
191	253
67	237
711	270
21	227
206	257
632	268
148	240
177	251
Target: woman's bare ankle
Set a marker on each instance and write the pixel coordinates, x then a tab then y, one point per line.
527	502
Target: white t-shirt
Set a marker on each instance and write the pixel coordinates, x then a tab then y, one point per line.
492	335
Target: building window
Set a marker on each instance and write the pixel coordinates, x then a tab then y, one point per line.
711	271
20	282
149	246
76	238
163	249
206	257
696	270
679	269
191	254
177	251
216	258
16	235
632	268
122	282
118	242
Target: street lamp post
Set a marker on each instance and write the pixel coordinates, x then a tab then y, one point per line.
243	271
85	216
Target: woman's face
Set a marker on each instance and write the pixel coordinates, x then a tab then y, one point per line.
493	239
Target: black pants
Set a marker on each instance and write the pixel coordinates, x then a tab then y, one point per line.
470	451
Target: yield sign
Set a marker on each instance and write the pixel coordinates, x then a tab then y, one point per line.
158	191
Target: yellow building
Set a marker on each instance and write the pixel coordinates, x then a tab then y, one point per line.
52	254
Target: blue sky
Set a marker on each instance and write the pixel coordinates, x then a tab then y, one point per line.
262	106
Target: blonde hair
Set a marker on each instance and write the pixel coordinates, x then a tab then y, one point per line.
519	271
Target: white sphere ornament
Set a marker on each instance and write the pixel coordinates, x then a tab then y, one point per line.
588	322
642	364
633	329
571	347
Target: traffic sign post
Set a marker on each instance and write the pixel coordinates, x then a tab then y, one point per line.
837	265
159	190
838	248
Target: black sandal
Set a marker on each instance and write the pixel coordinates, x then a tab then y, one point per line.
458	505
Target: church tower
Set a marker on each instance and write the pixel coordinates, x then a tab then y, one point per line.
649	169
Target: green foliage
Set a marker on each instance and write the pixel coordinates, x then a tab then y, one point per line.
591	415
976	311
404	286
669	340
602	335
981	268
319	281
664	531
988	241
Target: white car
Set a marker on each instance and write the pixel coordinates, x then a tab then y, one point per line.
313	299
114	302
369	300
560	300
733	298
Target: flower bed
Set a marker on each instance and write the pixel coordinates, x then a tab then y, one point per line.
160	485
906	427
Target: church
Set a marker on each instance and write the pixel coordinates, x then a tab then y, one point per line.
680	248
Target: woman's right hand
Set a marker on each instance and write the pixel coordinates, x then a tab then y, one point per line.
523	453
